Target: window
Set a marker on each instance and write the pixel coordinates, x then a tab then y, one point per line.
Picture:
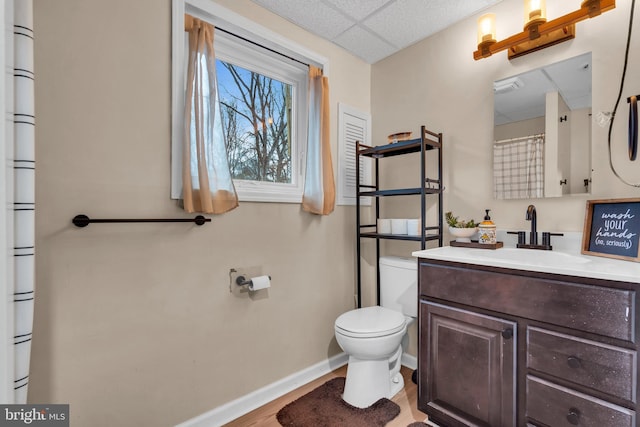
256	118
263	103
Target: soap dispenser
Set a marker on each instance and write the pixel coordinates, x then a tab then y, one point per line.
487	230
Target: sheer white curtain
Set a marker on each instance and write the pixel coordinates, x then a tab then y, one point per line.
319	195
206	181
518	167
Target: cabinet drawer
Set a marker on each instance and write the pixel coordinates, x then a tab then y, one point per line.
597	309
559	406
589	363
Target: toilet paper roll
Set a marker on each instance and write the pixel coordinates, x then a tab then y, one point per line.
413	227
398	226
384	226
260	282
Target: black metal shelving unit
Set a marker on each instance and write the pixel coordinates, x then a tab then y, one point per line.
428	142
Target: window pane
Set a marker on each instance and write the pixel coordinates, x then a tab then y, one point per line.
256	117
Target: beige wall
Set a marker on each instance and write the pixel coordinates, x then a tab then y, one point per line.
134	323
437	83
518	129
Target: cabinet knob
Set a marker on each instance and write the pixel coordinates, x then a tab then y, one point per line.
507	333
574	362
573	416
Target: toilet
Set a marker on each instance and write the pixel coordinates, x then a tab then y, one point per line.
372	336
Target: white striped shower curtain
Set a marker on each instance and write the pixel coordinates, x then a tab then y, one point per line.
20	157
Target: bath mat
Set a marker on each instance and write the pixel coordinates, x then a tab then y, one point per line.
324	407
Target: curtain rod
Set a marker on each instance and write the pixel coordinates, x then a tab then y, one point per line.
188	22
261	46
519	138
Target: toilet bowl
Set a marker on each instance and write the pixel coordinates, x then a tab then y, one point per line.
372	336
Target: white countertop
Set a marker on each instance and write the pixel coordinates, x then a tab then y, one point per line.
567	262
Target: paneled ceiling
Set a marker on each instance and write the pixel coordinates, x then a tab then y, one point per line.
375	29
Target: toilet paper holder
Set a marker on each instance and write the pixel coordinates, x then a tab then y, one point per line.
247	279
243	281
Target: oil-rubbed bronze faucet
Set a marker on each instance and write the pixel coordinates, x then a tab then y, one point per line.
533	234
533	217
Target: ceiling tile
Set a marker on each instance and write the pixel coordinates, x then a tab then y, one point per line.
358	9
365	45
402	23
408	21
314	15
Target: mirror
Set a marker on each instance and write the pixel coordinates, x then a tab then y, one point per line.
542	131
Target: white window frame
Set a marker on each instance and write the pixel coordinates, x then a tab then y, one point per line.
259	60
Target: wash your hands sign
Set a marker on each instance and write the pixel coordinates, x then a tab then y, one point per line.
612	229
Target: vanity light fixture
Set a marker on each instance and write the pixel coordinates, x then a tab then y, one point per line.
538	32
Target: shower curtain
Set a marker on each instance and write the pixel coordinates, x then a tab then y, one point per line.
518	167
23	235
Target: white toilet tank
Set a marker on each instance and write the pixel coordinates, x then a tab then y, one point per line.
399	284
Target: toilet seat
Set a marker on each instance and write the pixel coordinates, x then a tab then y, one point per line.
370	322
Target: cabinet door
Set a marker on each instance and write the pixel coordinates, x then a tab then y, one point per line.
467	367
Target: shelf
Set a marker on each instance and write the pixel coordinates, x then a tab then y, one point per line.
428	237
399	192
428	142
398	148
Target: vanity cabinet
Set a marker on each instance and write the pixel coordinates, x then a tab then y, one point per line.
506	347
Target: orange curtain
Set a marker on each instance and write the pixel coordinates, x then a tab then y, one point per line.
206	181
319	195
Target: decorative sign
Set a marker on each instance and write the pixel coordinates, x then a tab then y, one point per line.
612	229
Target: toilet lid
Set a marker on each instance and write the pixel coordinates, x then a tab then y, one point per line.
370	322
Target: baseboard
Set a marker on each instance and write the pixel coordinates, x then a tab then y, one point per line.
409	361
247	403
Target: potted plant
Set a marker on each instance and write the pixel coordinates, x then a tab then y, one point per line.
460	229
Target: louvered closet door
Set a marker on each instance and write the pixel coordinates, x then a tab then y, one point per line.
353	126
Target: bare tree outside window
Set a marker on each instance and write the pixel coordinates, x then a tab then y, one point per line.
256	117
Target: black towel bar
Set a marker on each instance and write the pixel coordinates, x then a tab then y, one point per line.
83	220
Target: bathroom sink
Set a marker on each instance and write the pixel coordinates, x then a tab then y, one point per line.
531	257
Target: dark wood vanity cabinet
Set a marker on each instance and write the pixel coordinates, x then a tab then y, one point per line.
501	347
470	363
